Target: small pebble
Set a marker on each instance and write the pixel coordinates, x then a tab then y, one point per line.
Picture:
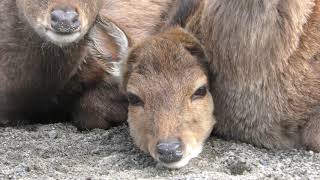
53	134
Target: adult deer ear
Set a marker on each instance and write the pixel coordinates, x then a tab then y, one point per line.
108	43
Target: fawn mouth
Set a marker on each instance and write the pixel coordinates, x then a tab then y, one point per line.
63	39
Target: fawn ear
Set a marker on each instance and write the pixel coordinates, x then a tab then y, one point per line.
188	41
194	47
108	43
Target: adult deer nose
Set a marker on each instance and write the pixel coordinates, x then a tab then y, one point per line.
65	20
170	150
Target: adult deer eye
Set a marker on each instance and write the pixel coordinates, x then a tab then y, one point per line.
200	93
135	100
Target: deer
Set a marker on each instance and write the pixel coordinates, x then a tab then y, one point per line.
167	82
247	70
58	61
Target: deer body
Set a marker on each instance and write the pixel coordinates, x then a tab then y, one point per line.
264	56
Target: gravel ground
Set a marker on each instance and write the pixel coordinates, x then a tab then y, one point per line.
59	151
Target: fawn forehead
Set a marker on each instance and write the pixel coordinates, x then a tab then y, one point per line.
164	66
162	56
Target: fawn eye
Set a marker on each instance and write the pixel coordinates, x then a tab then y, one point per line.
200	93
135	100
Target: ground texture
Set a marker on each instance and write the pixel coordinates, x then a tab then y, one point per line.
59	151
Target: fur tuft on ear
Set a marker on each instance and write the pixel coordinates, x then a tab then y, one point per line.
188	41
108	43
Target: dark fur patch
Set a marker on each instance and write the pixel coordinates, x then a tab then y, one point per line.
182	11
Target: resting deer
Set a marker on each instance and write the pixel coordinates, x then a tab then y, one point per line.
263	75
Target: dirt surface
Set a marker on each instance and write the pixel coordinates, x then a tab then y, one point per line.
59	151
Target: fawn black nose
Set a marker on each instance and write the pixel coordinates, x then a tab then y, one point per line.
170	151
65	20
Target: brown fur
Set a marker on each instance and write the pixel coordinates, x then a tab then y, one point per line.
264	71
41	79
266	89
138	18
